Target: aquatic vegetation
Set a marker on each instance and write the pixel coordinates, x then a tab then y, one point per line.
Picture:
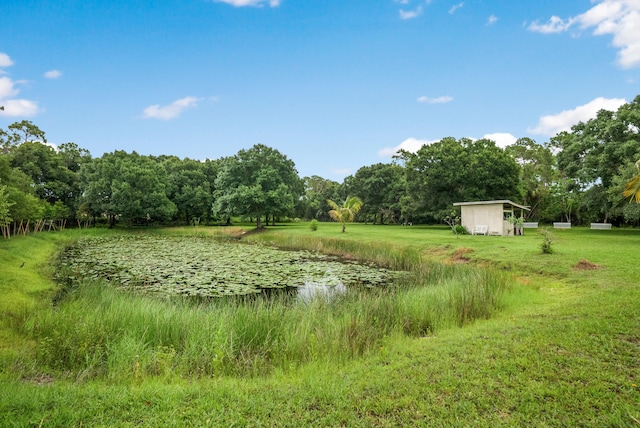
200	266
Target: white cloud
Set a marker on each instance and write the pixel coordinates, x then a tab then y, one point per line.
19	108
410	145
492	20
7	88
552	124
438	100
620	18
243	3
5	61
170	111
410	14
554	25
402	1
455	7
53	74
502	139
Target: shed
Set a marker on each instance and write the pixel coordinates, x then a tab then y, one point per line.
493	214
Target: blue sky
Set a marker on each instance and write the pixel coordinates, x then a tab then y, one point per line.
334	84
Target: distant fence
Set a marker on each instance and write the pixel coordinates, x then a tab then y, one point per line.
561	225
601	226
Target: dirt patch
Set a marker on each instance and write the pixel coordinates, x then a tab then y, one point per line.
461	255
39	379
586	265
437	252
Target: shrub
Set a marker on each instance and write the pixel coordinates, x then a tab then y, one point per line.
460	230
546	243
314	225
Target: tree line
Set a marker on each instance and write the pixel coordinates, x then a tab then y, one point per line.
580	176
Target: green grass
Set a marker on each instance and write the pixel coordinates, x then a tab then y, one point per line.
563	351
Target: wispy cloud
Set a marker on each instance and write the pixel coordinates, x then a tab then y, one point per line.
555	24
53	74
8	90
455	7
437	100
619	18
410	14
342	171
254	3
411	145
552	124
170	111
492	20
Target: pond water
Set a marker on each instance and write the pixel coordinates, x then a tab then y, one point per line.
209	268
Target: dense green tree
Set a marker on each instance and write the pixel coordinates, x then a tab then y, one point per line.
538	173
127	186
346	212
257	182
453	170
23	204
381	188
51	179
594	152
189	188
313	205
5	216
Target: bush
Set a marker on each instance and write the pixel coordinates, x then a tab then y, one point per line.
546	243
314	225
460	230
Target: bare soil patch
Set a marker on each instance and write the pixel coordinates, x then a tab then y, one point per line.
586	265
461	255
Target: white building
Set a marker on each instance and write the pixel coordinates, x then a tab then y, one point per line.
490	217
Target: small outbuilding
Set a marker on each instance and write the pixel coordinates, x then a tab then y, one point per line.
490	217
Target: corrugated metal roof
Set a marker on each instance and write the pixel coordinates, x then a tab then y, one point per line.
501	201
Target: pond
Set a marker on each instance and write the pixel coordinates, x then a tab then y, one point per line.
204	267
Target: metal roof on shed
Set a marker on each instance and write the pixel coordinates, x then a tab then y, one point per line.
501	201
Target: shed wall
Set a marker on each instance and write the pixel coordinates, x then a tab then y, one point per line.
489	215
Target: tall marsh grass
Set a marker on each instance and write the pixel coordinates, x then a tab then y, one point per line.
97	331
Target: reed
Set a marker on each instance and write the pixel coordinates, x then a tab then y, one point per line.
97	331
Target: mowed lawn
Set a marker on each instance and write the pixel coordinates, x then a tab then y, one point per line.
564	350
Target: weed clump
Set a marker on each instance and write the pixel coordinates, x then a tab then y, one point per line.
546	243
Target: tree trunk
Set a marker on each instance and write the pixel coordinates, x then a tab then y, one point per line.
344	227
259	223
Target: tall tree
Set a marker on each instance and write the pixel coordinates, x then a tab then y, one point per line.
453	170
381	187
257	182
538	173
127	186
189	188
346	212
594	152
313	205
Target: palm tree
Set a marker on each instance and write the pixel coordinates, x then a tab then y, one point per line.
632	189
347	212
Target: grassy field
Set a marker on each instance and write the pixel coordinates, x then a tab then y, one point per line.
564	350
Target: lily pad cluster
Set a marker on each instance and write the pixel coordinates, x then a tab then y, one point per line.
206	267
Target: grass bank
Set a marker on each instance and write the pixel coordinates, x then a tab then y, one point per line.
563	351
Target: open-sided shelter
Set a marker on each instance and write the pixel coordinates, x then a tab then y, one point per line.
490	217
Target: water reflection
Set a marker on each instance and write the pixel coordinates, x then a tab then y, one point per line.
312	290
